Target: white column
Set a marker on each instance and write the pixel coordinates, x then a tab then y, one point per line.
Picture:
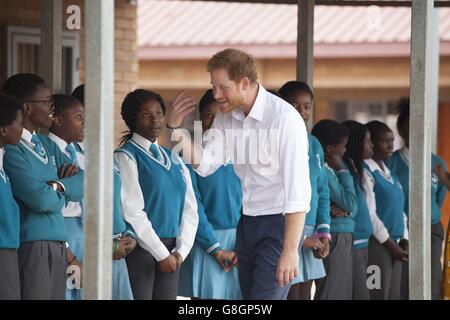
420	151
99	103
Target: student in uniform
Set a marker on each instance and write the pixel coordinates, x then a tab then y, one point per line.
43	179
67	129
388	247
317	225
158	200
207	273
67	132
10	132
337	285
359	147
399	165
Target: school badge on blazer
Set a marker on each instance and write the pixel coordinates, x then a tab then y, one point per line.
434	180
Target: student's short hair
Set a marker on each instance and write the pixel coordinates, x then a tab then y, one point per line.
292	88
9	107
403	107
237	63
79	93
130	108
62	102
206	100
22	85
329	132
376	128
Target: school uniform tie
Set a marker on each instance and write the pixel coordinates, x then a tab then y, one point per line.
155	151
37	143
72	153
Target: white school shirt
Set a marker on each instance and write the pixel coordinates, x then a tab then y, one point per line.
2	173
133	204
273	142
380	231
72	209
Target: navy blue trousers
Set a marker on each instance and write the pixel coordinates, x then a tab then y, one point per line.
259	242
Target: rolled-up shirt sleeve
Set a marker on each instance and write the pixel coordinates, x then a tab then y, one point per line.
294	165
132	201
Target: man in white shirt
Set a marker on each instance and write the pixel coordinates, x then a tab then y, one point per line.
267	142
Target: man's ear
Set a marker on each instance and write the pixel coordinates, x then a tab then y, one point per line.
329	148
245	83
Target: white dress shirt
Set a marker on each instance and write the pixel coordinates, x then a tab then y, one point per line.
269	151
72	209
380	231
133	207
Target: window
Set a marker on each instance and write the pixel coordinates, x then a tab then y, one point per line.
23	54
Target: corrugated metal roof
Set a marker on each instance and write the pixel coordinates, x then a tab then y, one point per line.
195	23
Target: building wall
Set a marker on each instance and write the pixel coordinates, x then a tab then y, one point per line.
27	13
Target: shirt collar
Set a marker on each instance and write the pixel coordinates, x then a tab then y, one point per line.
373	166
2	153
60	142
26	135
141	141
257	110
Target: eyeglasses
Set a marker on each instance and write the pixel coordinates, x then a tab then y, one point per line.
47	102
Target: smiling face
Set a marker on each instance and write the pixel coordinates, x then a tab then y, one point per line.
150	119
39	108
383	145
229	94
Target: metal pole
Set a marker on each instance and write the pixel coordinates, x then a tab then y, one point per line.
420	151
99	149
50	53
305	43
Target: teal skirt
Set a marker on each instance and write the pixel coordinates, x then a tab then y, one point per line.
74	228
310	268
202	277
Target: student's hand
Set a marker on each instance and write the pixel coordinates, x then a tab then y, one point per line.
334	161
120	252
168	264
225	259
128	243
404	244
179	108
179	258
444	177
326	248
396	251
287	268
67	170
336	212
313	244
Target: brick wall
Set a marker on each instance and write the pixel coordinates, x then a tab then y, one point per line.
27	13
